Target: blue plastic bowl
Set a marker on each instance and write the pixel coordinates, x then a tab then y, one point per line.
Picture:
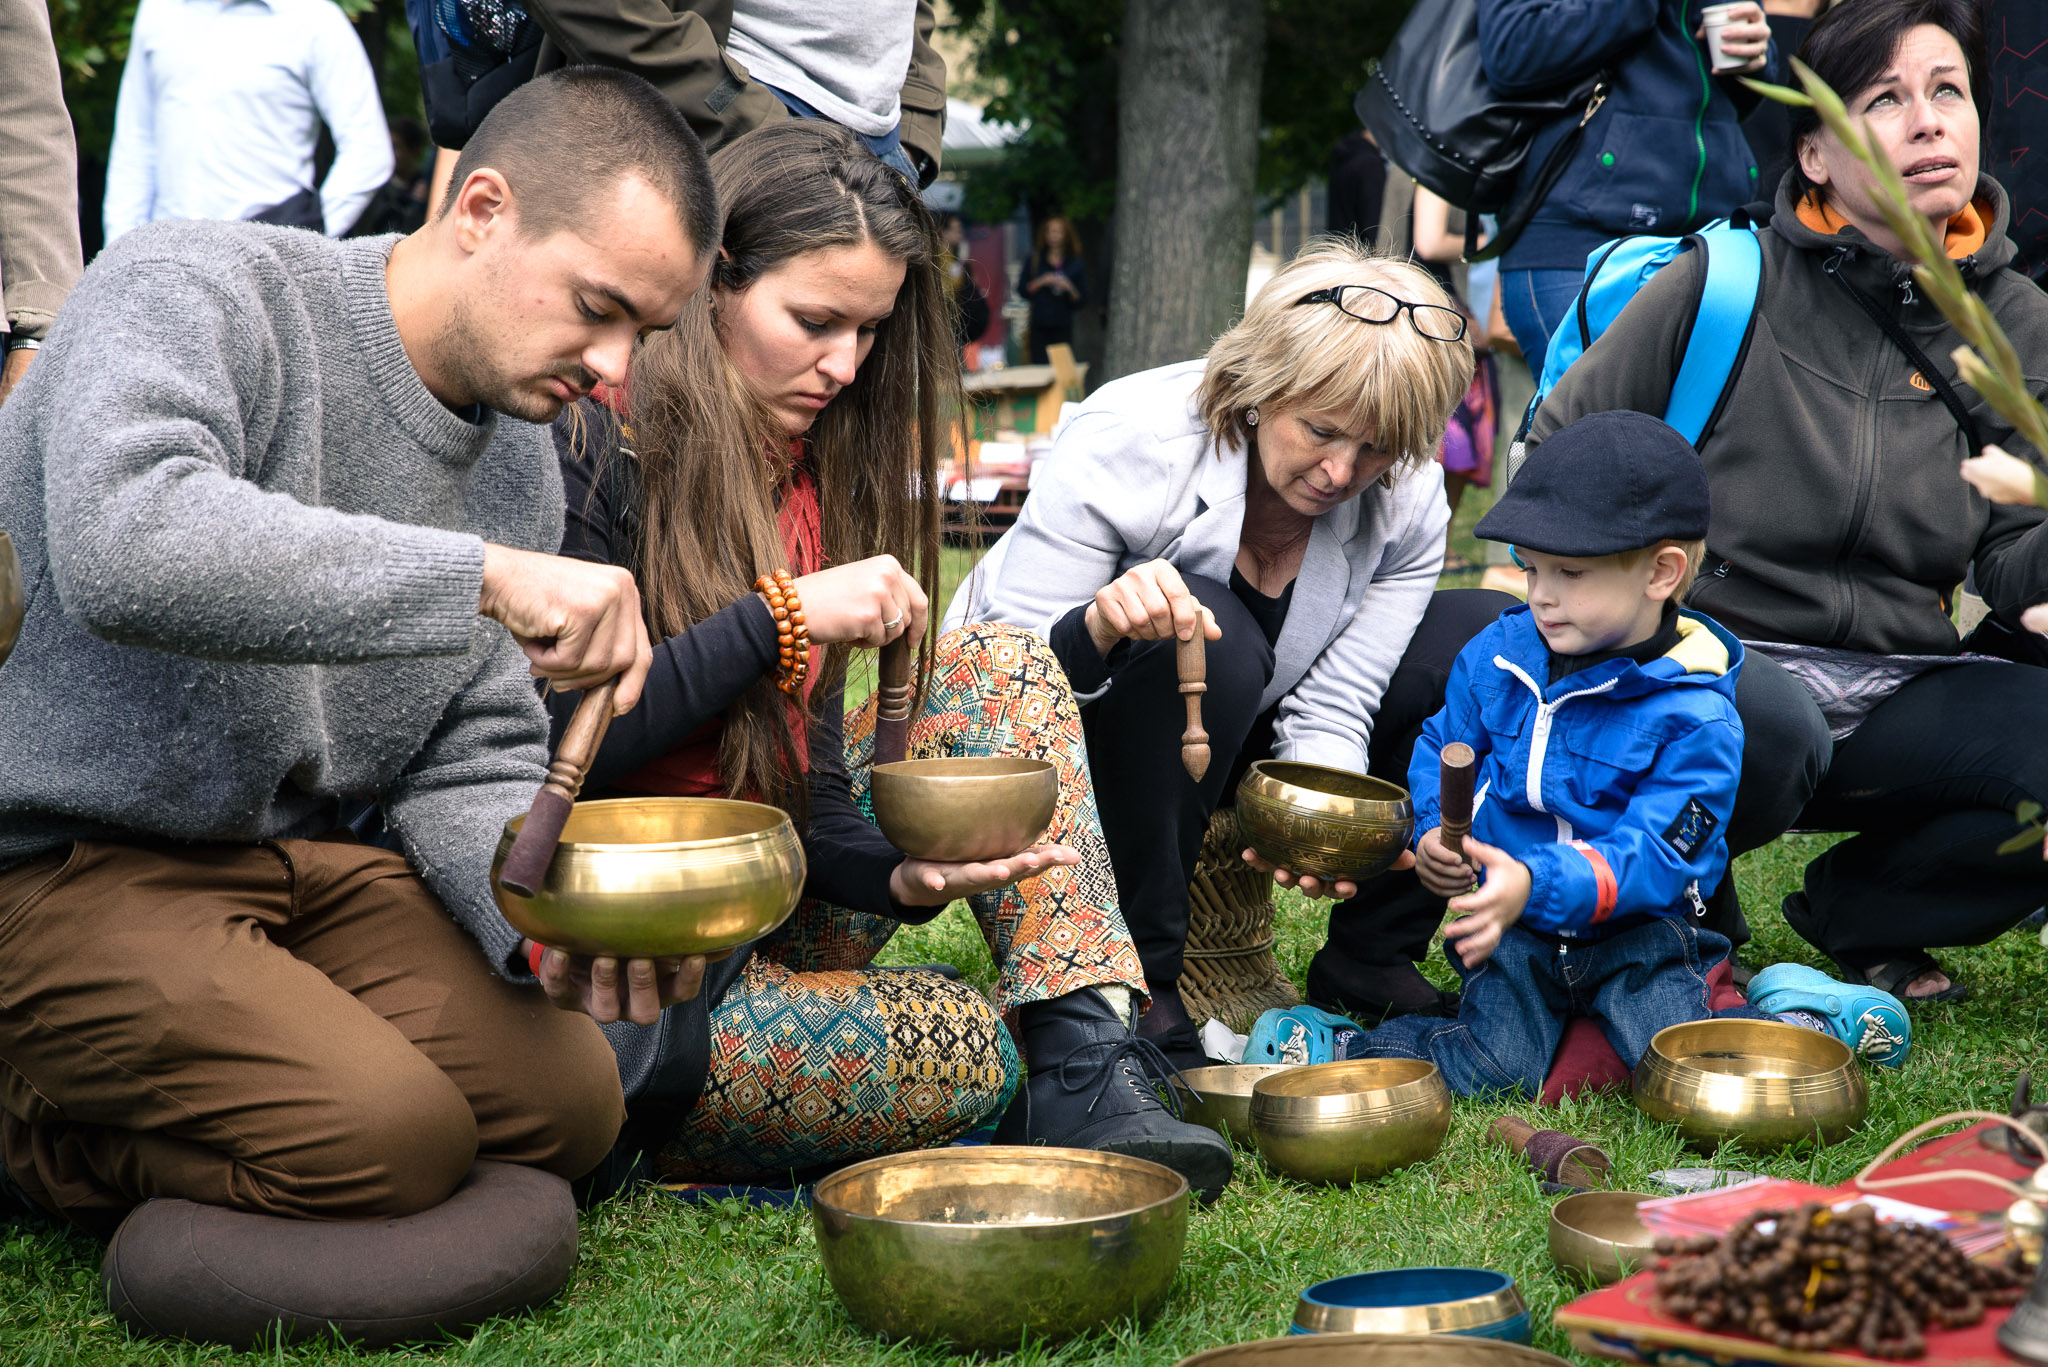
1416	1300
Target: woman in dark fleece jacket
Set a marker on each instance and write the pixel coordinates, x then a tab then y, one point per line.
1841	528
794	423
1663	154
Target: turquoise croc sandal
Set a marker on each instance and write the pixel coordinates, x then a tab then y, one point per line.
1300	1034
1872	1023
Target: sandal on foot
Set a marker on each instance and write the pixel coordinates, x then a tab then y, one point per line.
1896	973
1301	1034
1867	1019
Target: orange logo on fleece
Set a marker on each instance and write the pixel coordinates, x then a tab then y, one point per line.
1919	382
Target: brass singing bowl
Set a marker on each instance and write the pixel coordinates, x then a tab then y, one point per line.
1764	1083
1374	1350
1471	1301
13	602
1338	1122
1598	1237
965	808
1328	822
647	877
1221	1097
977	1246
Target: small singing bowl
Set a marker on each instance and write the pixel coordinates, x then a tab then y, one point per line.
1331	823
13	602
1765	1084
1472	1301
1374	1350
978	1246
1597	1236
1221	1097
960	809
1338	1122
652	877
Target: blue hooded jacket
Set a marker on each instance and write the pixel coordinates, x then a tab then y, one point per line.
1614	784
1665	152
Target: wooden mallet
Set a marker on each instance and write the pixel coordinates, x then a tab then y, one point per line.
892	702
533	849
1191	662
1454	786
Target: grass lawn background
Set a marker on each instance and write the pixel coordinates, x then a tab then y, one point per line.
661	1283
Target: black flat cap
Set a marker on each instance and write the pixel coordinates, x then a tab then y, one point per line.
1609	482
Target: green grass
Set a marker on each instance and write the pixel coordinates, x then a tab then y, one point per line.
660	1283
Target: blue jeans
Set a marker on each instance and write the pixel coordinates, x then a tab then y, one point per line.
1534	303
888	147
1631	985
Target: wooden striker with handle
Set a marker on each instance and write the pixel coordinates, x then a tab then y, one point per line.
533	849
892	702
1456	764
1191	663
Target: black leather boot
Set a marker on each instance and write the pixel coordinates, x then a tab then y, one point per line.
1095	1084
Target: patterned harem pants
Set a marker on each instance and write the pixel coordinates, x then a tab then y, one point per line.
817	1058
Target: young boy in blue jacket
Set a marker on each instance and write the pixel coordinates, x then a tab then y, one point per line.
1609	750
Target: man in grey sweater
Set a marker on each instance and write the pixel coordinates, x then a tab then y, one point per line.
287	526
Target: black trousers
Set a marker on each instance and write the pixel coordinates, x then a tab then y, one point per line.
1928	782
1154	816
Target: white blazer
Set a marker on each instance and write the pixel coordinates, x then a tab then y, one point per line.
1135	475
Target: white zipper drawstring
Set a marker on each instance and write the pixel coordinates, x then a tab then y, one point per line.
1539	742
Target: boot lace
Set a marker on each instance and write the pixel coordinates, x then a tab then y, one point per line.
1134	1053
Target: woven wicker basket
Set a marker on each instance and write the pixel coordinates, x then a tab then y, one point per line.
1228	970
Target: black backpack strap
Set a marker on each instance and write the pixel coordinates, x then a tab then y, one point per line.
1890	327
1530	195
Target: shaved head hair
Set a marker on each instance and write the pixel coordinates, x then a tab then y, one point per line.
562	140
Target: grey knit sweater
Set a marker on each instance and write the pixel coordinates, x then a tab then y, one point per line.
254	544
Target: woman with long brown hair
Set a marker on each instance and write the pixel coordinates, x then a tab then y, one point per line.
775	478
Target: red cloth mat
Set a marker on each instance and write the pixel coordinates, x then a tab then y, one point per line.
1623	1321
1586	1062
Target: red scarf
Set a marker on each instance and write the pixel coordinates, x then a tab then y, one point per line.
691	768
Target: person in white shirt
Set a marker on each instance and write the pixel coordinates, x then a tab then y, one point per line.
220	108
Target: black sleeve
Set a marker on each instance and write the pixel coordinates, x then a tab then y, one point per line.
850	861
1087	669
696	674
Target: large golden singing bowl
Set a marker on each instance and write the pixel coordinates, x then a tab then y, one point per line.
13	603
1416	1300
645	877
1597	1236
977	1246
1764	1083
959	809
1328	822
1338	1122
1374	1350
1221	1097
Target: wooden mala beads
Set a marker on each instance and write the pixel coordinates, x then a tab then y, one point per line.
1814	1280
792	637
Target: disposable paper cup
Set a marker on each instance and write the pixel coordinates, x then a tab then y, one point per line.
1716	18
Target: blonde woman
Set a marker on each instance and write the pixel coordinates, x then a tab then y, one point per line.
1281	495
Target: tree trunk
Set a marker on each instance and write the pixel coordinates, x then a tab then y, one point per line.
1187	149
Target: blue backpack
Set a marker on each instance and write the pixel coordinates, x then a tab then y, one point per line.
1723	318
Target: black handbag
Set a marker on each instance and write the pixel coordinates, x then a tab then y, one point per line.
1430	108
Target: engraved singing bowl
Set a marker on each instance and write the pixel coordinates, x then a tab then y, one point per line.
1328	822
1597	1236
1470	1301
647	877
964	808
1374	1350
978	1246
1221	1097
1338	1122
13	603
1763	1083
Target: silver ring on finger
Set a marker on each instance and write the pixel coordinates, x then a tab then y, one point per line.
892	624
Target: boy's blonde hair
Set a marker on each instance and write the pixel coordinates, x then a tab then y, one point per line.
1318	357
1695	555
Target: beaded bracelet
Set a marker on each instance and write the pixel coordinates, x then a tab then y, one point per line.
791	635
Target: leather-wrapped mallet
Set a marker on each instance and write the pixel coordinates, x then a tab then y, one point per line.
1191	663
892	702
533	849
1454	794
